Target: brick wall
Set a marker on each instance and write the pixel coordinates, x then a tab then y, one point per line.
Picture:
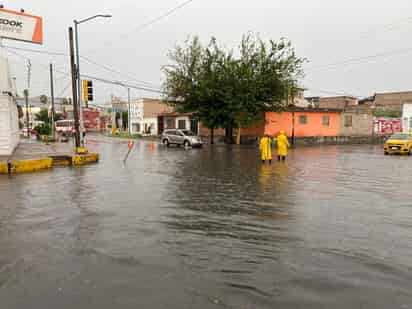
392	101
337	102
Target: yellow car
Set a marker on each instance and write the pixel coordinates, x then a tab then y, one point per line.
399	143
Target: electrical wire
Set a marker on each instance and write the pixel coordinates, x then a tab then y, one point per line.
154	20
146	24
333	92
64	89
37	51
146	84
387	27
86	59
122	84
359	59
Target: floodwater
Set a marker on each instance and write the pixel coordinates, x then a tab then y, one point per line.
210	228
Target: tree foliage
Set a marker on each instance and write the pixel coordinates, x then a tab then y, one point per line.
43	116
43	99
45	128
229	89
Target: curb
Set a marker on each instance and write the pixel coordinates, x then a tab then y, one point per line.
35	165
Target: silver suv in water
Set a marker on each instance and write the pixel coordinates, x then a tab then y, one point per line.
181	137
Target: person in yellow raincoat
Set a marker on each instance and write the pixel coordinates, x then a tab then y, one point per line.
283	145
265	147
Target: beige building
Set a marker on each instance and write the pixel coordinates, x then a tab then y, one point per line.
340	102
392	100
356	121
144	114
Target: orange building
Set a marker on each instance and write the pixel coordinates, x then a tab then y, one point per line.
307	122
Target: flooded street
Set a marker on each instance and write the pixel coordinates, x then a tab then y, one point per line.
210	228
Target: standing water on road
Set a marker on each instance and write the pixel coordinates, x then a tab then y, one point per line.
210	228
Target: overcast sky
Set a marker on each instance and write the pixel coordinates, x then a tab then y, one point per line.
324	32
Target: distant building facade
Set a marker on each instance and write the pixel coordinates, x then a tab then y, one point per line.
304	122
339	102
144	115
356	121
392	101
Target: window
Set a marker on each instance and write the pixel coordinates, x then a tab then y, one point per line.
182	124
348	121
326	121
303	119
170	123
188	133
194	126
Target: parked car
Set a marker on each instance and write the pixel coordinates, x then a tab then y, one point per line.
399	143
181	137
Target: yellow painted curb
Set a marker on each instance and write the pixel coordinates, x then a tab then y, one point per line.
29	166
3	168
85	159
26	166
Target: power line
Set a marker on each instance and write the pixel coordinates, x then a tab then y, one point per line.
64	89
154	20
333	92
148	23
122	84
86	59
37	51
389	27
360	59
117	72
45	67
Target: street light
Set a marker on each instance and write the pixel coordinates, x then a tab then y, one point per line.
79	84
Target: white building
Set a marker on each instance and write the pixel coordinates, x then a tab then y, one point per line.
407	117
144	115
9	119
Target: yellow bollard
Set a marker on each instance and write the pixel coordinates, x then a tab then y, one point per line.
81	150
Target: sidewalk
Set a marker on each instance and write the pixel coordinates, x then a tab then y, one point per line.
28	150
32	156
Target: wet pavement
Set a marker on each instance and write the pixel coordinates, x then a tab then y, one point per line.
210	228
32	149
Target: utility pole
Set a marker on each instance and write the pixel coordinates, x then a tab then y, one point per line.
52	102
128	112
74	89
26	98
79	83
26	95
293	126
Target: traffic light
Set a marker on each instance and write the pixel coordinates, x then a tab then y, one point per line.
87	90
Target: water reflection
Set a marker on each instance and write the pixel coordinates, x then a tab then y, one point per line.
231	198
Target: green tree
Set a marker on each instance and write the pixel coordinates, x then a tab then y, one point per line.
192	83
43	116
227	90
43	99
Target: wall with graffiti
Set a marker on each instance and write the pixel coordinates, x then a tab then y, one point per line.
387	126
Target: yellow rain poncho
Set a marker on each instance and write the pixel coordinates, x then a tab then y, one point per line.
265	148
283	144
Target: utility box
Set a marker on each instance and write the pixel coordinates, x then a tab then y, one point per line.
9	119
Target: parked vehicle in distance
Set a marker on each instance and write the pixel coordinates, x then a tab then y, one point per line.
181	137
64	126
399	143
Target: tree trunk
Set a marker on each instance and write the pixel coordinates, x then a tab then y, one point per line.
238	135
212	136
229	134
